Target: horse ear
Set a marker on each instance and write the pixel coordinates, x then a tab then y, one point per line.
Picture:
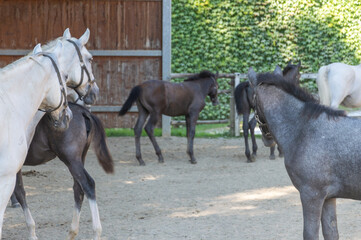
84	39
289	63
37	49
67	34
299	64
252	77
58	48
278	71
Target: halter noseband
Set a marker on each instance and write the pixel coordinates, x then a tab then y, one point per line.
83	69
62	89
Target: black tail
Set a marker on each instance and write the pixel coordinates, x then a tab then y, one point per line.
240	94
133	96
105	159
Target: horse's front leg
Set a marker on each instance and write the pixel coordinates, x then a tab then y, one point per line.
7	183
329	220
252	126
191	130
21	197
312	202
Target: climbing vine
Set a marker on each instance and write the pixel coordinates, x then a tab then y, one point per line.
231	35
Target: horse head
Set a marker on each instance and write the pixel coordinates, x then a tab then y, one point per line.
292	72
213	90
76	61
54	102
267	137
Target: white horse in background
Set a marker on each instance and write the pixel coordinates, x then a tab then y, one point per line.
339	83
31	83
75	62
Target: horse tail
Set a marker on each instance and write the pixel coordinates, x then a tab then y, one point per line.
322	84
133	96
239	95
102	152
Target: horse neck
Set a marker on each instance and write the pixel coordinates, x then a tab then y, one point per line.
205	85
25	92
283	114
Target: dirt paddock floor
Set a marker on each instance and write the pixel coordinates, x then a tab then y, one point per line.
221	197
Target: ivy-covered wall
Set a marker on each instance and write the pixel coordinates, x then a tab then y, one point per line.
231	35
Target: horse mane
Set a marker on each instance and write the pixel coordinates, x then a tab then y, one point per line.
13	65
202	74
312	109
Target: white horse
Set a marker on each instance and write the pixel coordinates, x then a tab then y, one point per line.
75	61
31	83
339	83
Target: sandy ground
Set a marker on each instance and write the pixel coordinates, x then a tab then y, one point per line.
222	197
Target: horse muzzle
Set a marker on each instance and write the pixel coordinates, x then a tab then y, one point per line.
268	142
215	102
62	123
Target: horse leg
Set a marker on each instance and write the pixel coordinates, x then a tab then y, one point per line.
252	126
14	202
329	220
142	117
245	135
280	153
83	183
312	202
272	153
149	129
7	184
192	120
20	195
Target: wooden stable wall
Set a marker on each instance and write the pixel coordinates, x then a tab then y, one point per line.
126	40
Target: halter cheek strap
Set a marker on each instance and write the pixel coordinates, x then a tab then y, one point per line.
62	89
83	69
262	125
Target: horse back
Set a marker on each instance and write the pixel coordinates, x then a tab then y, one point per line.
172	99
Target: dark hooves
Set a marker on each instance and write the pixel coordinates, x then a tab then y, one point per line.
193	161
141	163
272	157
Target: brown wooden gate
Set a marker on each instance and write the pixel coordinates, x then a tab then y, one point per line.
129	39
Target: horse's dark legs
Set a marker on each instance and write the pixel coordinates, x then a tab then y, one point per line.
329	220
312	202
272	153
246	126
252	126
149	128
142	117
191	121
280	153
83	183
20	194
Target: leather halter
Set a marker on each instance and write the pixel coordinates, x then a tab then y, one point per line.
83	69
62	89
262	124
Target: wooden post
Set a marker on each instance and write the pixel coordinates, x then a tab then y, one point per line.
234	119
166	57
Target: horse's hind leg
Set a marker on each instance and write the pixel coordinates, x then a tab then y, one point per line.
280	153
83	183
142	117
245	135
329	220
149	128
21	197
252	126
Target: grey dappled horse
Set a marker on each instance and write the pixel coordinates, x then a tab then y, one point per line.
321	148
243	95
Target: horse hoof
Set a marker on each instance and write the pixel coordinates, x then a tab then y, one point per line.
281	155
272	157
161	161
193	161
142	163
15	205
